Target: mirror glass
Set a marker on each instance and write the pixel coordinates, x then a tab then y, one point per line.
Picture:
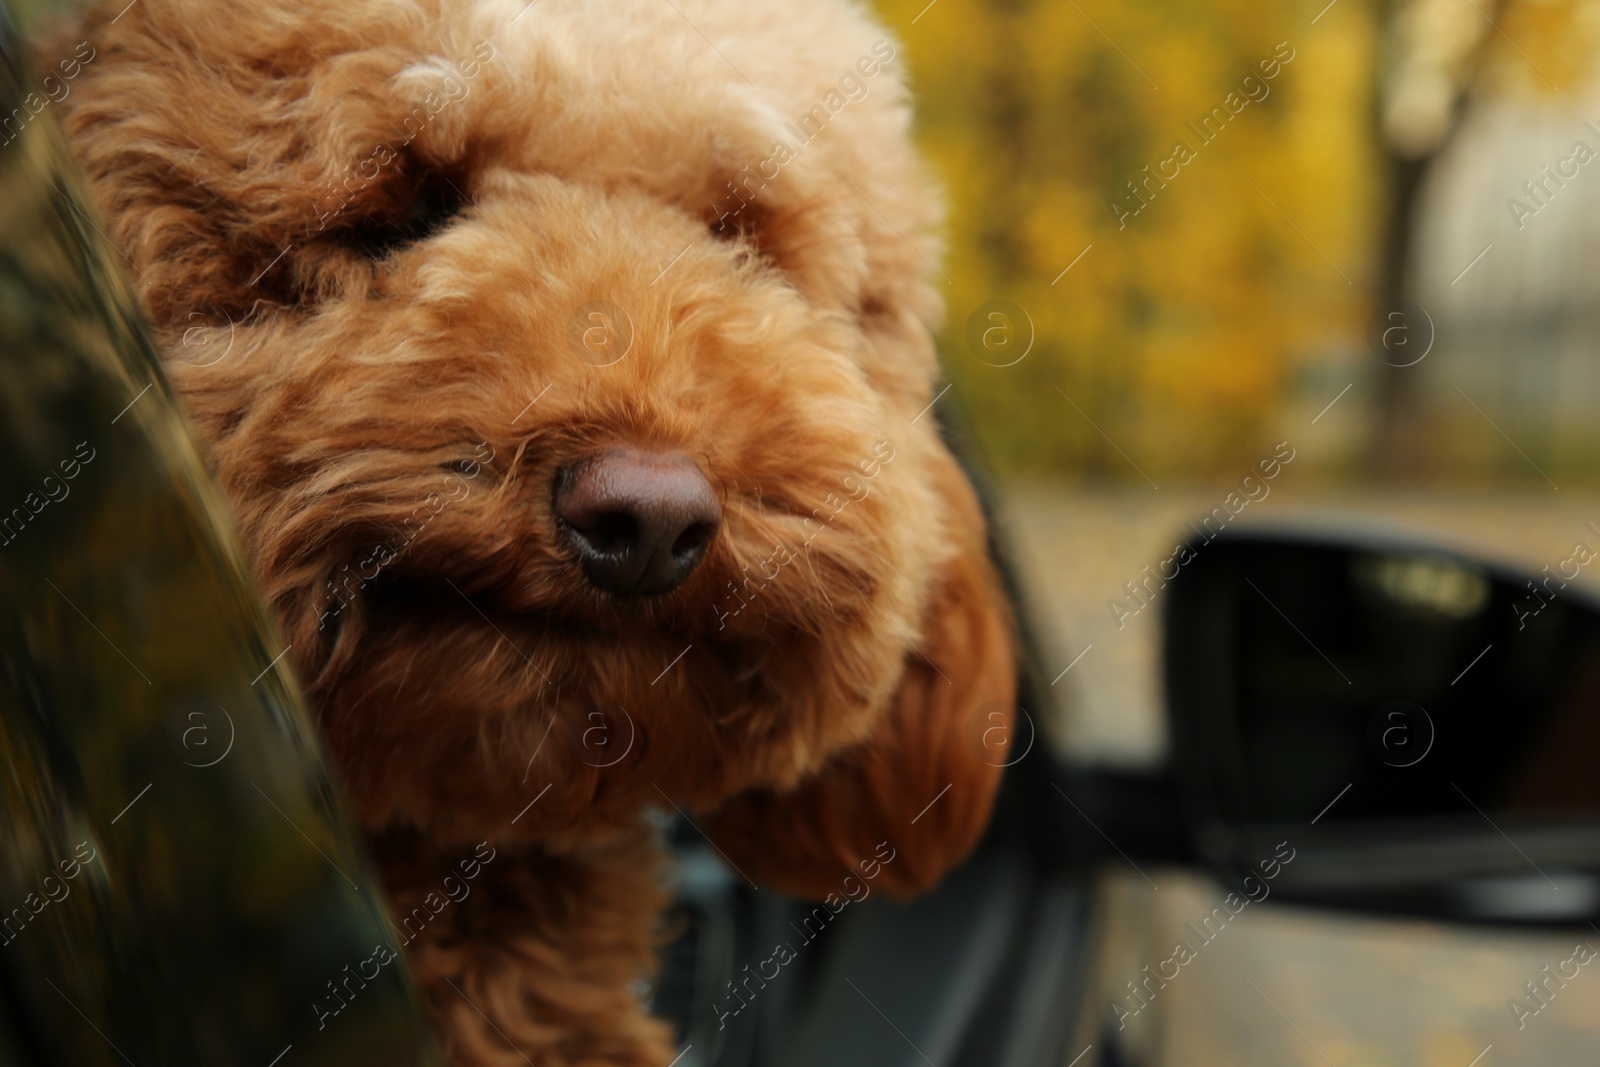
1423	680
1425	718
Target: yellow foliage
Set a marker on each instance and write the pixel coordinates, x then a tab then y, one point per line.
1195	302
1176	332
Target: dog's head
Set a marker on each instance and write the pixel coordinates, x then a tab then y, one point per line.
566	364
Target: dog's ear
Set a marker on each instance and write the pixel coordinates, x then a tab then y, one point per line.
910	803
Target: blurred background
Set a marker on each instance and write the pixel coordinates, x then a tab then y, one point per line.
1180	234
1225	307
1186	237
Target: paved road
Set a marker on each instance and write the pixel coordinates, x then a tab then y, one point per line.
1280	986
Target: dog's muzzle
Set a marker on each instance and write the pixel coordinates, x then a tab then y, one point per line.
639	521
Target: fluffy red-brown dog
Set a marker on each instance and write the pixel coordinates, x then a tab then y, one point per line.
567	365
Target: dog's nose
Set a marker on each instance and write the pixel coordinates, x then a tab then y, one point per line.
640	521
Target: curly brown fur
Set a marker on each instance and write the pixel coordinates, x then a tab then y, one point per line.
387	388
548	947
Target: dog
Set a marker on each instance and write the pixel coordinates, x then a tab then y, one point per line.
569	368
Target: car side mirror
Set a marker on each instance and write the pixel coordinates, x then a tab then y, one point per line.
1420	728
